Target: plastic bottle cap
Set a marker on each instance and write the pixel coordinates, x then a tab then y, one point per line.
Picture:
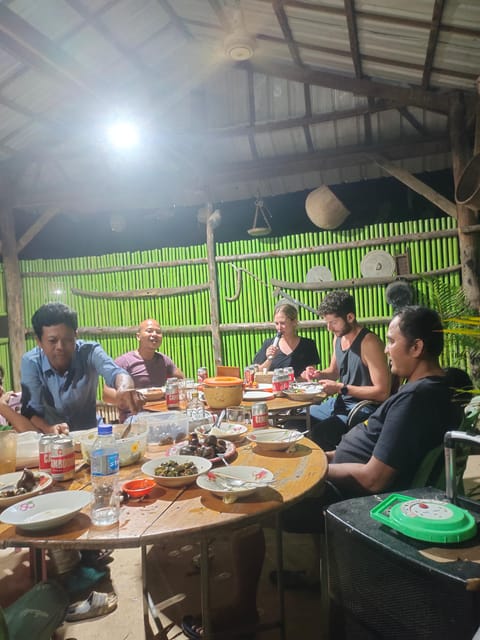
105	429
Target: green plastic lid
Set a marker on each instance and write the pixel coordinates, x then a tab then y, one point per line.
425	519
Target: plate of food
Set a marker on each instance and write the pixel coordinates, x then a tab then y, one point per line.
226	430
152	393
233	482
304	392
208	446
19	485
46	512
273	439
254	396
174	471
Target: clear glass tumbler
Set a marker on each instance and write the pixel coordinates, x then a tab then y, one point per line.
8	451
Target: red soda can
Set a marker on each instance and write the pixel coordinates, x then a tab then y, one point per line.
248	376
202	374
62	458
260	415
44	448
172	394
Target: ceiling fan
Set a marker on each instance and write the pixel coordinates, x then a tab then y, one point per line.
239	45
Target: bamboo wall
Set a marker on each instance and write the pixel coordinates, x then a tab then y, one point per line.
53	280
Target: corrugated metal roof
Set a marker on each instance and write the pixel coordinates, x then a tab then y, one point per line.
320	93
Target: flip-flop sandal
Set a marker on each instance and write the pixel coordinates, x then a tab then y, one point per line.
82	578
97	559
97	604
192	627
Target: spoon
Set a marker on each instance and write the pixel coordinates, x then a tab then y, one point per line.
128	428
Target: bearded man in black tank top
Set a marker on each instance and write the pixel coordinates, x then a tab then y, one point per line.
358	371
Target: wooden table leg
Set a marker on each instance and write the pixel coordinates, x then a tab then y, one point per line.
205	587
280	587
149	607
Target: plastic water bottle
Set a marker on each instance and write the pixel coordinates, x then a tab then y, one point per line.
105	466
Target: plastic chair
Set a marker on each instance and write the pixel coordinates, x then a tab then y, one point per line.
36	614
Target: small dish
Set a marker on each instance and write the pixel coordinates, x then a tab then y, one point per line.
226	430
152	394
228	455
138	488
202	464
252	396
304	392
235	482
273	439
46	512
44	481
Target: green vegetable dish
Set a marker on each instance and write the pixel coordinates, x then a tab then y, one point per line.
172	469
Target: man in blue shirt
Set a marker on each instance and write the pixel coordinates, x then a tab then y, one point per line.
60	376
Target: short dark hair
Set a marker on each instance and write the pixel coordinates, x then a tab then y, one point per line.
51	314
338	303
422	323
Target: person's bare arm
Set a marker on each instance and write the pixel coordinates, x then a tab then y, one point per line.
126	396
18	422
41	425
109	394
178	373
354	477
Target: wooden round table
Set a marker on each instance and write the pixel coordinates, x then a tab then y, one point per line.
188	511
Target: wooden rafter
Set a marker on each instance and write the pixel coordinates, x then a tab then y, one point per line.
221	14
251	113
353	37
409	117
432	42
287	32
308	113
175	19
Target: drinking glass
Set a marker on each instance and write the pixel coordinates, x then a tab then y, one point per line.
187	385
8	451
236	415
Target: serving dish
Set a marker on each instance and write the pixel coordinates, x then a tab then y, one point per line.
304	392
131	449
223	391
46	512
274	439
152	393
253	396
227	430
44	481
138	488
228	455
202	464
232	482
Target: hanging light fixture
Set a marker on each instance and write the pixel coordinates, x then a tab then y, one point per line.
261	214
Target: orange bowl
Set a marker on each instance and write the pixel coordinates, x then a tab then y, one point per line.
138	488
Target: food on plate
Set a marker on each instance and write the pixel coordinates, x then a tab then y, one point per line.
173	469
27	482
208	447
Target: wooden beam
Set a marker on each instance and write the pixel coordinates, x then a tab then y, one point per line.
212	272
358	86
417	185
432	42
287	32
13	282
105	193
36	227
353	37
469	243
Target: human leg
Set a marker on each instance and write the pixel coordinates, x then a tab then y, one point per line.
328	433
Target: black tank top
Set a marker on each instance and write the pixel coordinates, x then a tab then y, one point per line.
351	370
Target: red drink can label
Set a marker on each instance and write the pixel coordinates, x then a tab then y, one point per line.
259	415
62	458
291	373
202	374
248	376
44	448
172	395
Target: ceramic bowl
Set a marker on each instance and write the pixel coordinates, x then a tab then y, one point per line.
226	430
202	465
274	439
304	392
235	482
138	488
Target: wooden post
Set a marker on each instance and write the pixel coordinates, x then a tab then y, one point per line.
212	222
13	282
469	254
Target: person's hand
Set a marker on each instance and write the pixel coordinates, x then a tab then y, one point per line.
61	428
310	374
330	387
130	400
272	352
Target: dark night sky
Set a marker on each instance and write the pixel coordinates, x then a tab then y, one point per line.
369	202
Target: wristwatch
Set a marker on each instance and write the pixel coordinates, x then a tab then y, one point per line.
344	390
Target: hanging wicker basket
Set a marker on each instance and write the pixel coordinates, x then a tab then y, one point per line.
324	209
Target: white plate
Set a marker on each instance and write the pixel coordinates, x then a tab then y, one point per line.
221	482
263	386
274	439
46	512
227	431
257	395
45	480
